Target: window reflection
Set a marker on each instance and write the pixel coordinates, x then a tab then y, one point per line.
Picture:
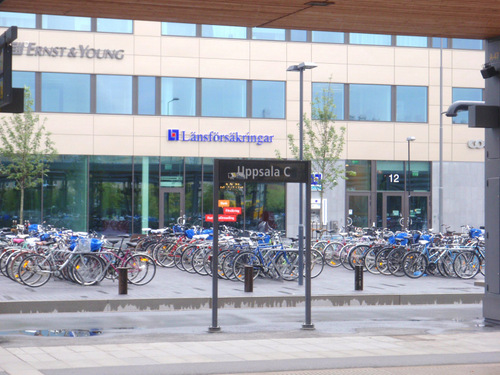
178	96
178	29
268	99
66	23
373	39
370	102
114	94
114	25
223	98
27	80
146	95
411	104
65	92
268	34
327	37
411	41
231	32
27	20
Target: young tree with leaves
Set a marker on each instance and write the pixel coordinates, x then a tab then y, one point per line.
323	142
26	149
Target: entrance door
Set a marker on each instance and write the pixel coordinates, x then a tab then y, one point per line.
419	212
390	210
171	205
358	209
393	212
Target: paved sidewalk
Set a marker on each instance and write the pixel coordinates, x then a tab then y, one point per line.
173	289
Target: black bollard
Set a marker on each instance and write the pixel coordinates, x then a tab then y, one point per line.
122	280
358	277
248	278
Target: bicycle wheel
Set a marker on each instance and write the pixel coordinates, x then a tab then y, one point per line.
13	262
243	260
415	264
395	261
86	269
467	265
370	260
344	257
141	269
198	261
317	263
331	254
356	256
187	258
287	265
381	261
163	254
35	270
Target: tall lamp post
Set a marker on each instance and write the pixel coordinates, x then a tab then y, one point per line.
300	68
409	140
168	105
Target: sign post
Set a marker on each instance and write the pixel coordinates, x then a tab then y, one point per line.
260	171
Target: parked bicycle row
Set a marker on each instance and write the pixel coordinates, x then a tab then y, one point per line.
269	255
412	253
32	259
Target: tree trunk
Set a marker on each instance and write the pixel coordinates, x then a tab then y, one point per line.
21	208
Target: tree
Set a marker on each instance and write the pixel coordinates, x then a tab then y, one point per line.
323	142
26	148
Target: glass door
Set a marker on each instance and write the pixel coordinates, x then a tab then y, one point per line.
419	212
390	211
171	205
358	210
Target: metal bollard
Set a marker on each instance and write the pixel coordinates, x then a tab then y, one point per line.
358	277
248	278
122	280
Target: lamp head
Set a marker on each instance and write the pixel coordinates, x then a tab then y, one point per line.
410	139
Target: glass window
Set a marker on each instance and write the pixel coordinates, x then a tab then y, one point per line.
268	34
178	96
178	29
323	93
327	37
109	25
223	98
27	20
459	93
146	192
110	194
467	43
268	99
411	104
390	175
298	35
230	32
65	193
411	41
419	177
373	39
436	42
358	174
370	102
114	94
25	79
65	23
65	92
146	95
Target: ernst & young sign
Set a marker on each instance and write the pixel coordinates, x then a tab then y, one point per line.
31	49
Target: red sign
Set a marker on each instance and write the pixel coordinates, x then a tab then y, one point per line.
210	217
232	210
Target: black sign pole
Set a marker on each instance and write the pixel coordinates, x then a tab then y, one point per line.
308	323
215	251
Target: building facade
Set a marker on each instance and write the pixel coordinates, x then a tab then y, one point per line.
138	111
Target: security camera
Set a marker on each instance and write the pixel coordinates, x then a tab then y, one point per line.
488	71
461	105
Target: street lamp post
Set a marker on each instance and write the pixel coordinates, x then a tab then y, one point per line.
300	68
168	105
409	140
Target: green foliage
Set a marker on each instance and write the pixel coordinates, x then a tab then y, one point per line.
26	148
323	142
